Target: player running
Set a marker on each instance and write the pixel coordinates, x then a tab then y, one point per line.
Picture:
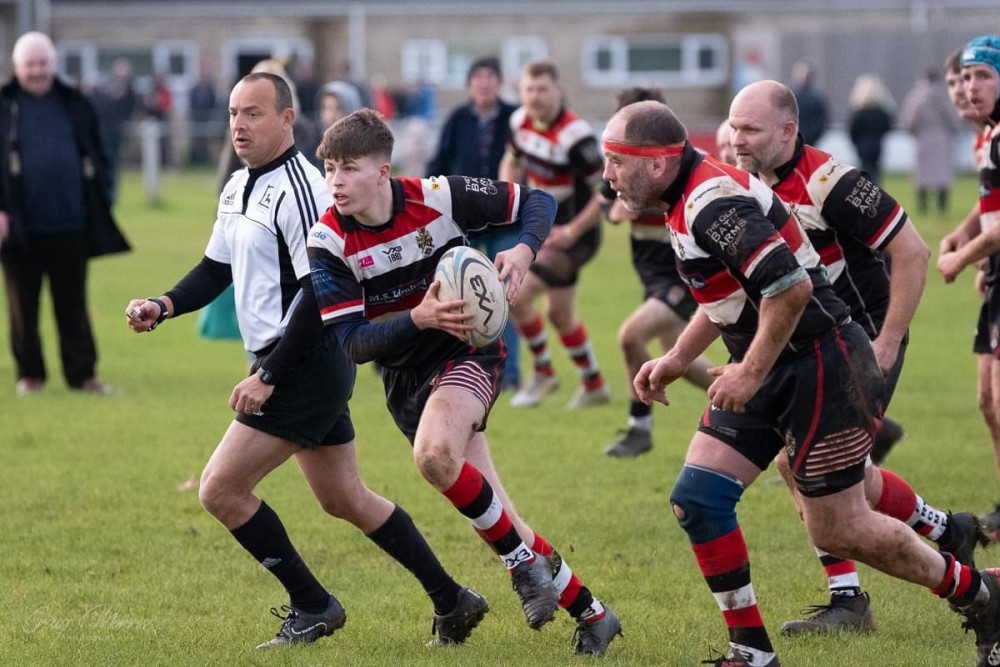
373	256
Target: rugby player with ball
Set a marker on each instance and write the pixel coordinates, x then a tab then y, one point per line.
374	256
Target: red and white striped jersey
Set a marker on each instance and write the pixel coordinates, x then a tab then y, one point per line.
559	159
382	272
988	159
850	220
737	243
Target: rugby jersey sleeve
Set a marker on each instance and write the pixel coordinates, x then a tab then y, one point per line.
735	232
478	203
856	207
585	156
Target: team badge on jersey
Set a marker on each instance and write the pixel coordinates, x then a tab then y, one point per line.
425	241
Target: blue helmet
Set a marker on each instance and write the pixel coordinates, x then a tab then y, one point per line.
983	50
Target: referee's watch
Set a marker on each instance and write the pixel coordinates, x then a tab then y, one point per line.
265	376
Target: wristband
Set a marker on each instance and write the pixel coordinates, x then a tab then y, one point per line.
163	312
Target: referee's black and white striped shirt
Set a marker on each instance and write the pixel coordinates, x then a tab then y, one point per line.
261	227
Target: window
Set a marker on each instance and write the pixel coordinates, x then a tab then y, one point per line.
78	61
427	60
519	50
240	55
178	61
662	60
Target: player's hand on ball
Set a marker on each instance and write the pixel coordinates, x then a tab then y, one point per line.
512	266
432	313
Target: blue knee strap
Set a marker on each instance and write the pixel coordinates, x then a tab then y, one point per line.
708	502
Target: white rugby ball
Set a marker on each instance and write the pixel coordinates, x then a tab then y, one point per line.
467	274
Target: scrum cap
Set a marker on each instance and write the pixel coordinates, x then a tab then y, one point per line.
983	50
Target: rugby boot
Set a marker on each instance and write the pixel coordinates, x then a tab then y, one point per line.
537	388
593	638
738	658
586	398
983	618
964	531
456	626
634	441
850	613
533	584
298	627
886	438
991	524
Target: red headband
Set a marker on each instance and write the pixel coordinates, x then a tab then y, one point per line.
612	146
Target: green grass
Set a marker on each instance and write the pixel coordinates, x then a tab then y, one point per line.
106	562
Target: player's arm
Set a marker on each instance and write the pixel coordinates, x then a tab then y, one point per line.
498	203
966	230
734	231
510	166
950	264
653	377
910	257
586	158
197	289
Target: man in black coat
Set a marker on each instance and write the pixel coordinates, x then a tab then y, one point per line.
472	143
55	213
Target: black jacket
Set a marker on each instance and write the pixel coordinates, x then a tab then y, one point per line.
458	147
103	235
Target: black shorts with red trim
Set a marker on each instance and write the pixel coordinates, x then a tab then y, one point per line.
478	372
654	262
822	406
311	408
987	338
558	267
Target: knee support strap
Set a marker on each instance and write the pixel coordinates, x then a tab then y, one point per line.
704	503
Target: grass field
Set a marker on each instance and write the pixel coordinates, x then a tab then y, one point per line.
106	562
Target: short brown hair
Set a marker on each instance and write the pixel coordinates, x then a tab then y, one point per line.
652	123
953	63
360	134
537	68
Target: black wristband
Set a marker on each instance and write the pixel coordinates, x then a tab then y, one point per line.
163	312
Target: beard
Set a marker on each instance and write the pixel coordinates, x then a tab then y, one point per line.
764	160
641	194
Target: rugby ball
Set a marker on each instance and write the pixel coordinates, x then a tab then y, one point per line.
466	274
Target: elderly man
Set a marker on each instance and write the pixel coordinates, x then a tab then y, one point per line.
55	213
802	377
858	230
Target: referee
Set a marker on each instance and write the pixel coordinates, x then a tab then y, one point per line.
295	401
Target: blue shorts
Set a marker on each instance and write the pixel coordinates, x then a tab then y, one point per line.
822	406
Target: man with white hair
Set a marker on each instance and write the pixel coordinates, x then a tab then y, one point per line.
55	213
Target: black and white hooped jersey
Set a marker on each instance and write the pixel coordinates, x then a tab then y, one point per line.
850	220
382	272
263	219
988	159
736	243
559	159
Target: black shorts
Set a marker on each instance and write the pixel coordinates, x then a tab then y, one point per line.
892	379
988	327
311	408
407	389
657	268
822	406
561	267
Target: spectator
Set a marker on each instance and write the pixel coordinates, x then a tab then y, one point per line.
871	119
55	213
812	105
115	101
335	100
307	86
159	105
928	115
472	143
203	105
